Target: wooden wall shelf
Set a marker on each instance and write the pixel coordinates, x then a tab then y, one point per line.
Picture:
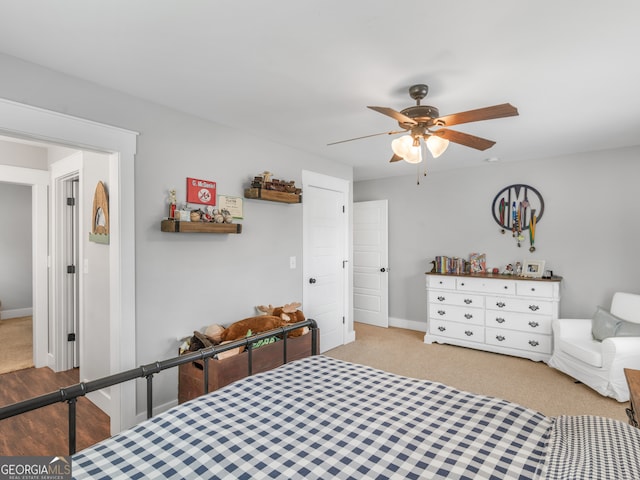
175	226
272	195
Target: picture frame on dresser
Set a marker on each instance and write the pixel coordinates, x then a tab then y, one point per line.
533	268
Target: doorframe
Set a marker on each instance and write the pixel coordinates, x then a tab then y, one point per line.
25	121
61	172
342	185
38	180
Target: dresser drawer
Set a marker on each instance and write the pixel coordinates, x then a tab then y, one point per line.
535	289
457	314
486	285
533	305
441	281
525	322
462	299
462	331
521	340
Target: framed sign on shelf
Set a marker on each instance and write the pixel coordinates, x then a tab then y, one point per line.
201	191
232	204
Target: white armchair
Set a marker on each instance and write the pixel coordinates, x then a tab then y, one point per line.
599	364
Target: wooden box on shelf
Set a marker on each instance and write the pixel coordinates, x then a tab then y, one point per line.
272	195
175	226
228	370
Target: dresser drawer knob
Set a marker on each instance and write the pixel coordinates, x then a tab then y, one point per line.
500	320
441	312
534	307
468	316
462	284
468	301
533	289
468	333
500	338
534	343
442	329
441	298
506	287
502	304
533	324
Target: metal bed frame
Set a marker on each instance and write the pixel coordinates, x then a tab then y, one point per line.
70	394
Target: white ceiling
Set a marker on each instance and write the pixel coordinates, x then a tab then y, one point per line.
301	72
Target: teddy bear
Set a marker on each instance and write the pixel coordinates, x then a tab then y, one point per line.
273	317
289	313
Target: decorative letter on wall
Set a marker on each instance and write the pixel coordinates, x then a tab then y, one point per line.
100	216
518	208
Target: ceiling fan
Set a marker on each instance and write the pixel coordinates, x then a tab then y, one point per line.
424	122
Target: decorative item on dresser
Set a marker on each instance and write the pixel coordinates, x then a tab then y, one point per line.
497	313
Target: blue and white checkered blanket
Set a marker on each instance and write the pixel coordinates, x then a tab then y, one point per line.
321	418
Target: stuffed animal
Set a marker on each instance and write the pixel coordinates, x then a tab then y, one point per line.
275	317
288	313
258	324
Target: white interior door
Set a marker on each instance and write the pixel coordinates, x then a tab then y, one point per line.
370	263
325	256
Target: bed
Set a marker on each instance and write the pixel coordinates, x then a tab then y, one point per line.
322	418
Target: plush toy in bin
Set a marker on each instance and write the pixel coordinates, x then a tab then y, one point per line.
272	318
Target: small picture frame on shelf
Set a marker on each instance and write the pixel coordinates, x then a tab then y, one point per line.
533	268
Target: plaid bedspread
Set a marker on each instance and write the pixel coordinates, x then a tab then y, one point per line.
589	447
321	418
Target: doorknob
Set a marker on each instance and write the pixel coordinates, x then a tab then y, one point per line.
312	280
383	269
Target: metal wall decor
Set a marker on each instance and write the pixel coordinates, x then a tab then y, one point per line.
518	208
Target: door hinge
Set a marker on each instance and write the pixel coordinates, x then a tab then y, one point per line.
71	337
343	320
342	208
71	269
71	201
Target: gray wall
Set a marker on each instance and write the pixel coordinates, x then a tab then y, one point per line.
94	362
588	234
187	281
15	247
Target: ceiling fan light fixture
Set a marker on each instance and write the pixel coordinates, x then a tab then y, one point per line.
437	145
404	147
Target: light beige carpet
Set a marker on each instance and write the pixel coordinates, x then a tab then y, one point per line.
531	384
16	339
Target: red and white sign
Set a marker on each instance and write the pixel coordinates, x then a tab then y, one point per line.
201	191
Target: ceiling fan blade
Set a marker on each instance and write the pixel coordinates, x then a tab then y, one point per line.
486	113
465	139
396	158
393	132
402	118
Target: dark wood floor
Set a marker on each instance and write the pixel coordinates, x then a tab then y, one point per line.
45	431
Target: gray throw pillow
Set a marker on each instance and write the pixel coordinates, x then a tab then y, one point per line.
628	329
604	324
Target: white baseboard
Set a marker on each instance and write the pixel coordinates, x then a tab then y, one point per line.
408	324
140	417
350	337
16	313
101	399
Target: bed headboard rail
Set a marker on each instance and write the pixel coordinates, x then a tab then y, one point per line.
70	394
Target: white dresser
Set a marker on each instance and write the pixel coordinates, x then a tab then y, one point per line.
497	313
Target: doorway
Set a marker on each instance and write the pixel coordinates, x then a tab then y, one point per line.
25	121
370	263
326	287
